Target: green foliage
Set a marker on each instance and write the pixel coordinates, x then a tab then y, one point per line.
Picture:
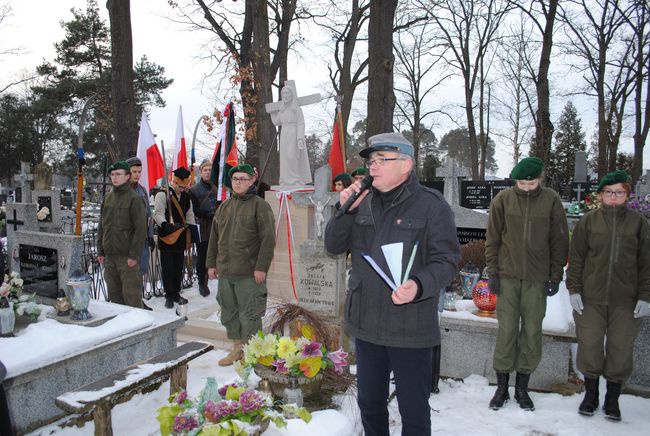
569	138
316	151
455	144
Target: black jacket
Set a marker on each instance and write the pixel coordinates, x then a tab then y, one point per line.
417	214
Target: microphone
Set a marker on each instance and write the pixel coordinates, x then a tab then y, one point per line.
366	183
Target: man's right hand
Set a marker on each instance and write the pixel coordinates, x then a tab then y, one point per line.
350	191
169	228
213	274
494	284
576	303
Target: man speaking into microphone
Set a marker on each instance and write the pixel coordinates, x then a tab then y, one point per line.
394	330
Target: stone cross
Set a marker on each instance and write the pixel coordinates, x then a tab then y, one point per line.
23	179
42	177
580	168
321	198
643	185
452	173
578	190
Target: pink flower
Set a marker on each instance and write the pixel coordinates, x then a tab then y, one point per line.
184	423
215	412
251	401
280	367
312	350
338	359
181	397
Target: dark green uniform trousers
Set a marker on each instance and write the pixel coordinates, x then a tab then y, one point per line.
243	303
123	282
519	349
606	337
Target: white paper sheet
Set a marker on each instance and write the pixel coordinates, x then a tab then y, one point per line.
393	255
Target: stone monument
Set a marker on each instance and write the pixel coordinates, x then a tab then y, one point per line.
580	168
287	114
24	179
452	173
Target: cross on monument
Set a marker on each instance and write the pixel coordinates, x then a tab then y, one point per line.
15	221
452	173
579	190
24	178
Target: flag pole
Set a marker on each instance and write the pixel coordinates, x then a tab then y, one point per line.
166	183
81	162
192	152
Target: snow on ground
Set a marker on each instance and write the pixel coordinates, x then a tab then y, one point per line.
459	409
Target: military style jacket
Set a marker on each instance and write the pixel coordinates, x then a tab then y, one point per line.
527	237
610	257
242	237
122	228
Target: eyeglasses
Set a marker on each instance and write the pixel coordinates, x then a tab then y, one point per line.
608	193
380	161
240	180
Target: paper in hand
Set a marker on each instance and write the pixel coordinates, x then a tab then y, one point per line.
393	255
378	270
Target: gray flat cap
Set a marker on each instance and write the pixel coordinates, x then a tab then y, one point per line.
393	141
134	161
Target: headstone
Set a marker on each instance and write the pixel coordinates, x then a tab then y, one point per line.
287	114
42	177
643	186
452	173
50	199
59	254
479	194
24	179
580	168
20	216
470	224
580	190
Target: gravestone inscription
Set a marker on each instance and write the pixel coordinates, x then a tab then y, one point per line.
477	194
39	269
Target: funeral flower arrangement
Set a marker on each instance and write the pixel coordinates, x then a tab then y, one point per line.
229	410
23	304
292	356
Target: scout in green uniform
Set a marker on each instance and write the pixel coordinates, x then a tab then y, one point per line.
239	254
342	181
609	287
359	174
526	249
121	234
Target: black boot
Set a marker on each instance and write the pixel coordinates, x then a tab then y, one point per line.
521	392
612	412
501	395
590	401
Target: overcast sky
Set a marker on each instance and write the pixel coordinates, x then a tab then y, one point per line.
35	26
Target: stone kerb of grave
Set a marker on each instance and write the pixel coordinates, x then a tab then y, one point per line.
470	224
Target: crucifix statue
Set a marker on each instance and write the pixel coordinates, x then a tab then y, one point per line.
287	114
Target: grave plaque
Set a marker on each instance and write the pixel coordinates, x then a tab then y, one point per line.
45	201
478	194
39	269
468	234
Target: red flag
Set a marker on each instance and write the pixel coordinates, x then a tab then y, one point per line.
337	151
152	161
179	156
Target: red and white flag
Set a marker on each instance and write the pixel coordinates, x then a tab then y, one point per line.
153	167
179	156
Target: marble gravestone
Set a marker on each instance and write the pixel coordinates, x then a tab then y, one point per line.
287	114
580	168
452	173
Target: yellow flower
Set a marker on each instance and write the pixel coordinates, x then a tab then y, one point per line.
310	366
255	347
292	360
307	331
267	347
286	347
266	360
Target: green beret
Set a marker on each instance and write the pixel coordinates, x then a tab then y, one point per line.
527	169
361	171
243	168
119	165
342	178
618	176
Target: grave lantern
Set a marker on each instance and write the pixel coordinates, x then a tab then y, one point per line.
79	286
483	297
7	318
469	275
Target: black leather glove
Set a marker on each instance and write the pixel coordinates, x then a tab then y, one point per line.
494	284
552	288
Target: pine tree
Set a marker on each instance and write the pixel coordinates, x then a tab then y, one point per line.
569	138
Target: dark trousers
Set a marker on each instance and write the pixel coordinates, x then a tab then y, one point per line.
201	254
171	265
411	368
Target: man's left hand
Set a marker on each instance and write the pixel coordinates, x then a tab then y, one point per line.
131	263
552	288
405	293
260	276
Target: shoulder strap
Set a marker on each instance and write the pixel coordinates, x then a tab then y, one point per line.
177	205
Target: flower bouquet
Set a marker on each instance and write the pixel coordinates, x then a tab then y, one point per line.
230	410
640	204
278	359
23	304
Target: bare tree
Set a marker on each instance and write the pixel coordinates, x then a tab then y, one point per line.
418	60
5	14
468	29
125	128
381	98
595	29
515	103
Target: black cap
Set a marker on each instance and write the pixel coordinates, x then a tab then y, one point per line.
182	173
